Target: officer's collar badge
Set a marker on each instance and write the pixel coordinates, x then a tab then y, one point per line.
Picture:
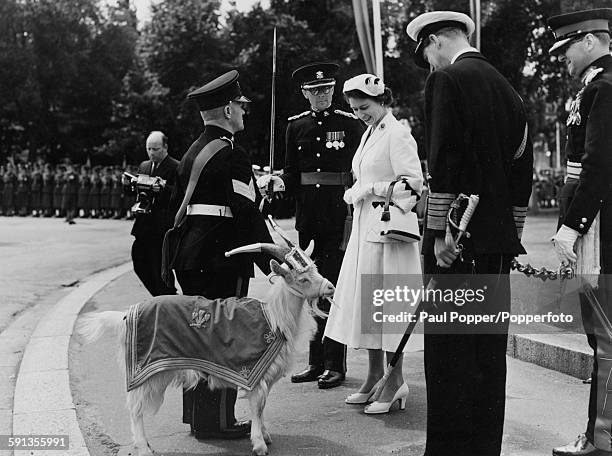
590	74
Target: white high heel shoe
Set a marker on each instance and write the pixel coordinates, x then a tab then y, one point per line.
361	398
376	408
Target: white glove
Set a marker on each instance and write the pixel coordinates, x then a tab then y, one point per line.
403	198
357	193
564	242
360	193
263	181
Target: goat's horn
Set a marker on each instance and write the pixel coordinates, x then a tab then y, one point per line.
272	249
251	248
275	250
280	231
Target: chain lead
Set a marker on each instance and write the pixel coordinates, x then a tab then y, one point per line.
542	273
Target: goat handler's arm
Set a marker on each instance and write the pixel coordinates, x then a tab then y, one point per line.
243	198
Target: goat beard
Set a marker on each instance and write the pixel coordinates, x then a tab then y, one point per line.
315	309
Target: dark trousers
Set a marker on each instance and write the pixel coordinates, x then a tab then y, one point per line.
203	409
599	413
466	372
325	353
147	257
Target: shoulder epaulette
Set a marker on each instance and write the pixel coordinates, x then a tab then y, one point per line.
591	73
345	114
297	116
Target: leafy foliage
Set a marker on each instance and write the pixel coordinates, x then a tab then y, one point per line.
80	79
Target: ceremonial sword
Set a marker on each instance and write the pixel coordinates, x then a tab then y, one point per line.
270	193
472	202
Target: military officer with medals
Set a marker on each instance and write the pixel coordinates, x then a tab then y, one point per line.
222	213
584	236
320	144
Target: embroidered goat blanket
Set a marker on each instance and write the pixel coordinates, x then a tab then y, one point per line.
229	338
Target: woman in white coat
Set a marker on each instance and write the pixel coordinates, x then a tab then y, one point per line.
387	152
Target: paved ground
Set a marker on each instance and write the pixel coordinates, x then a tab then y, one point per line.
544	407
42	261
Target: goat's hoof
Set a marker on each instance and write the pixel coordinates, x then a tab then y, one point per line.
260	450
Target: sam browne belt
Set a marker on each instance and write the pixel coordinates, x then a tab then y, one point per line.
326	178
209	209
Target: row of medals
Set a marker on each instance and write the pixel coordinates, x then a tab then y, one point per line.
334	139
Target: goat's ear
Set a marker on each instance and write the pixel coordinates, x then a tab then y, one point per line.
310	249
278	269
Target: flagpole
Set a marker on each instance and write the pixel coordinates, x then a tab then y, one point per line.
378	51
475	12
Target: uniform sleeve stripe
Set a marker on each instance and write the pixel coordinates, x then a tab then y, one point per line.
248	191
435	195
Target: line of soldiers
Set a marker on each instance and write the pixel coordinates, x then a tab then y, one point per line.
44	190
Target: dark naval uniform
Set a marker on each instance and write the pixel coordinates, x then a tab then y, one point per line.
585	206
319	150
477	144
222	214
149	229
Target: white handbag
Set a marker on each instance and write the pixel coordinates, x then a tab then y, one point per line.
396	224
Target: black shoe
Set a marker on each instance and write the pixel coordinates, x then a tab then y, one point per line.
239	430
580	447
310	374
330	379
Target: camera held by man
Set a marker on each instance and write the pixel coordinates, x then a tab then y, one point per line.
152	183
146	188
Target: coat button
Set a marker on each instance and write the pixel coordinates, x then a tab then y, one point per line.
318	155
584	220
318	185
318	138
318	170
581	225
299	147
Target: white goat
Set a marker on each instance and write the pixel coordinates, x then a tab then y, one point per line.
288	311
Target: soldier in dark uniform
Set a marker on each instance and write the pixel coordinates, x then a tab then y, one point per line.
35	192
478	143
1	189
94	194
83	192
105	192
222	214
69	194
57	191
47	191
22	194
584	237
149	227
320	144
8	195
116	198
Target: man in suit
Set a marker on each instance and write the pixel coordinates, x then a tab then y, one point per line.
477	143
320	144
584	237
221	214
152	223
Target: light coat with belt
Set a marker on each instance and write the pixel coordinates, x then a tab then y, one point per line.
386	152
